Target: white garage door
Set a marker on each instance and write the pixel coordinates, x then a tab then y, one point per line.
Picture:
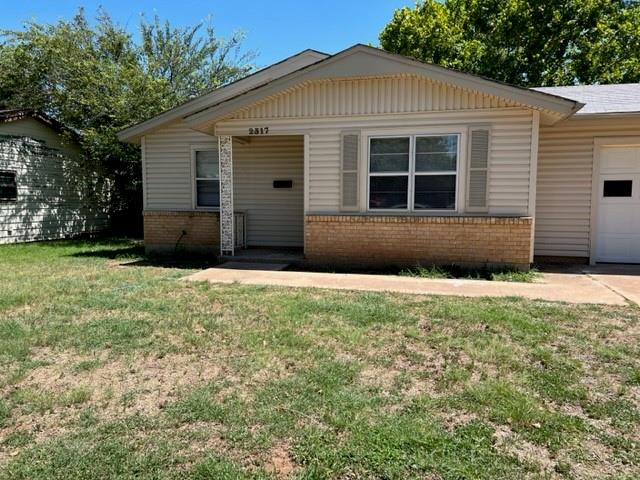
618	224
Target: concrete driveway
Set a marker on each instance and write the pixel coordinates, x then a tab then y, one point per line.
621	279
598	285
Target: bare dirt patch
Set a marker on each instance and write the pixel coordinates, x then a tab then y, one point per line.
508	441
371	376
279	462
147	382
117	388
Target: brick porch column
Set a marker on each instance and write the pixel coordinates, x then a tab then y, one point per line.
226	194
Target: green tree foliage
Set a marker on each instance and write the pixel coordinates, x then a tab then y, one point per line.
523	42
97	80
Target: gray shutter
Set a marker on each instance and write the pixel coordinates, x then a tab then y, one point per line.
478	169
350	145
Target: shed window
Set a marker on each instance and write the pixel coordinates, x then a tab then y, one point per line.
617	188
8	186
207	178
413	172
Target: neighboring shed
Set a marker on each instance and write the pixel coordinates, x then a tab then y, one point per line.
46	190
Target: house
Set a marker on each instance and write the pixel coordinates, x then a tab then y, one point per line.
46	191
368	157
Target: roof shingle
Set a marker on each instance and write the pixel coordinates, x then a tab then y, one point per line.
620	98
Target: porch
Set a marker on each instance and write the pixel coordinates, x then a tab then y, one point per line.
261	197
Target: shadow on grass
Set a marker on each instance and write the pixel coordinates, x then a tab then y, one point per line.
131	254
134	251
179	262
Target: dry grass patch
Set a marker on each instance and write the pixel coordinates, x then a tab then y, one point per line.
108	366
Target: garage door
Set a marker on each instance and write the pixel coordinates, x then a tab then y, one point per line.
618	224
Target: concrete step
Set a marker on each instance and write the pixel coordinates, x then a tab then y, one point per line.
265	256
270	267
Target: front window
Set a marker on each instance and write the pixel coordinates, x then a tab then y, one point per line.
8	187
389	160
436	164
207	178
413	172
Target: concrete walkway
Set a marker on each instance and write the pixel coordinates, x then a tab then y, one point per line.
622	279
580	287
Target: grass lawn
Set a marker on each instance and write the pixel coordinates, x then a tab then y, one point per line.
116	370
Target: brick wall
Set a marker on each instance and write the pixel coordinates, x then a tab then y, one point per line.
409	240
163	232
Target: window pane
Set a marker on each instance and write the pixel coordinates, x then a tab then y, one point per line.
389	155
208	193
435	192
437	144
388	192
436	162
617	188
390	145
207	164
7	178
438	153
389	163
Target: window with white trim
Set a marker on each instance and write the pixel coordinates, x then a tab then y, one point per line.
413	172
8	186
207	181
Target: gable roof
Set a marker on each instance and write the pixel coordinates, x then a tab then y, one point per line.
601	99
361	60
215	96
356	61
15	114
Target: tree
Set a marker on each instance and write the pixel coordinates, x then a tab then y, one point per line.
189	62
98	80
523	42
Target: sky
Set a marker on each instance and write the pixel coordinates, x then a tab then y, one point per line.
273	29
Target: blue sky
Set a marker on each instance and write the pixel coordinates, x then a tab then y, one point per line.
274	29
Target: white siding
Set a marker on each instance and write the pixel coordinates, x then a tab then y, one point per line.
323	109
364	96
167	175
275	216
509	157
54	196
565	161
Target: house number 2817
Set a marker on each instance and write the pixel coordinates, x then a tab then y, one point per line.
258	130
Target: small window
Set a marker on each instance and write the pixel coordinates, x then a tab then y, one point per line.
617	188
8	187
283	184
207	178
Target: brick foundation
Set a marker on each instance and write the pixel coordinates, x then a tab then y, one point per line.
163	232
409	240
